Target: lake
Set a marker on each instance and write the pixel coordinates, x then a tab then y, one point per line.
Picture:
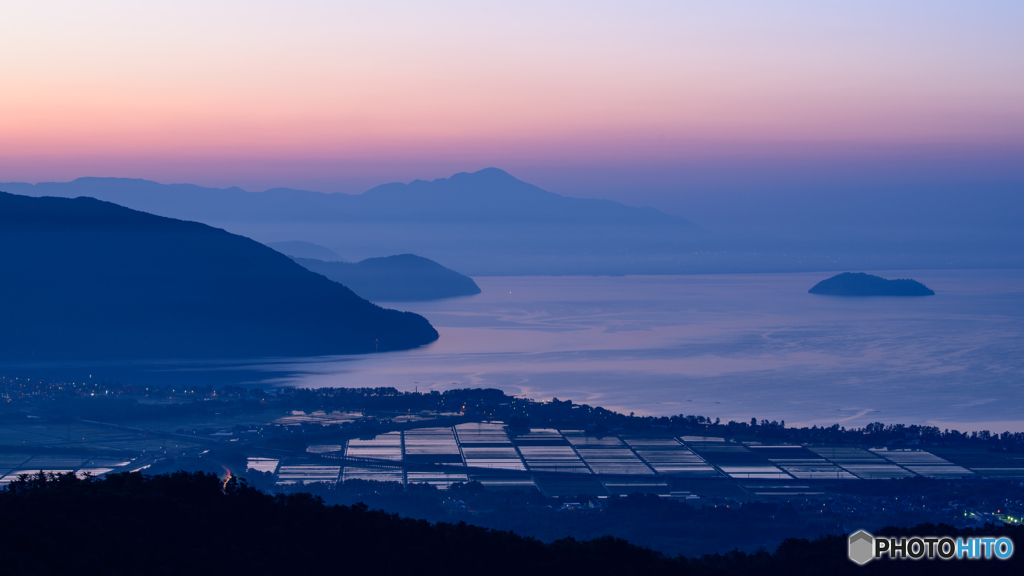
723	346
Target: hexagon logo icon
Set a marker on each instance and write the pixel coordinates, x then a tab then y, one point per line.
861	547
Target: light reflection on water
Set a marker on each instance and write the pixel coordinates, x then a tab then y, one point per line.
728	346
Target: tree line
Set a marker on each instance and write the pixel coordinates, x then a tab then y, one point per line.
196	523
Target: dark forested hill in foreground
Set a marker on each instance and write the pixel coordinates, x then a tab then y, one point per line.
85	279
401	278
191	523
861	284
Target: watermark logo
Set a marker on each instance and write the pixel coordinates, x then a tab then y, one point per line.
863	547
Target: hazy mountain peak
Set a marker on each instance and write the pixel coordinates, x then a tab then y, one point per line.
109	180
487	174
484	176
489	183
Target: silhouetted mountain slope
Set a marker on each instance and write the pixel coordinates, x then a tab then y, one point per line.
861	284
486	222
402	278
85	279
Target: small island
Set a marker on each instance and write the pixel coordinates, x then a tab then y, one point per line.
861	284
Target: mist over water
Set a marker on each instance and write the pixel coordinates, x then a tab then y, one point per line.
726	346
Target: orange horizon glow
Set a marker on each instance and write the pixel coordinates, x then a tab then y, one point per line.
119	87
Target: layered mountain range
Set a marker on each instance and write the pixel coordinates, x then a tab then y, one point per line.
486	222
490	223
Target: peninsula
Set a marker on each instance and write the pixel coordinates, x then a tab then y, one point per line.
91	280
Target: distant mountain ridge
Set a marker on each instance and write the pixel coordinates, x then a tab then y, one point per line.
489	194
492	194
486	222
401	278
86	279
861	284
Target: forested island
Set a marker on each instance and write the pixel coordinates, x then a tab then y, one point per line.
861	284
401	278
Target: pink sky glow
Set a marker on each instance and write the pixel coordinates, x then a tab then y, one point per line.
338	95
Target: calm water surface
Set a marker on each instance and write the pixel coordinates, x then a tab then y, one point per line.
730	346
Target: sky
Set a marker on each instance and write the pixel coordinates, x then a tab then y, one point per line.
639	101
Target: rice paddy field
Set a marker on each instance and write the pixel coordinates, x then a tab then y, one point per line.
568	462
555	461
